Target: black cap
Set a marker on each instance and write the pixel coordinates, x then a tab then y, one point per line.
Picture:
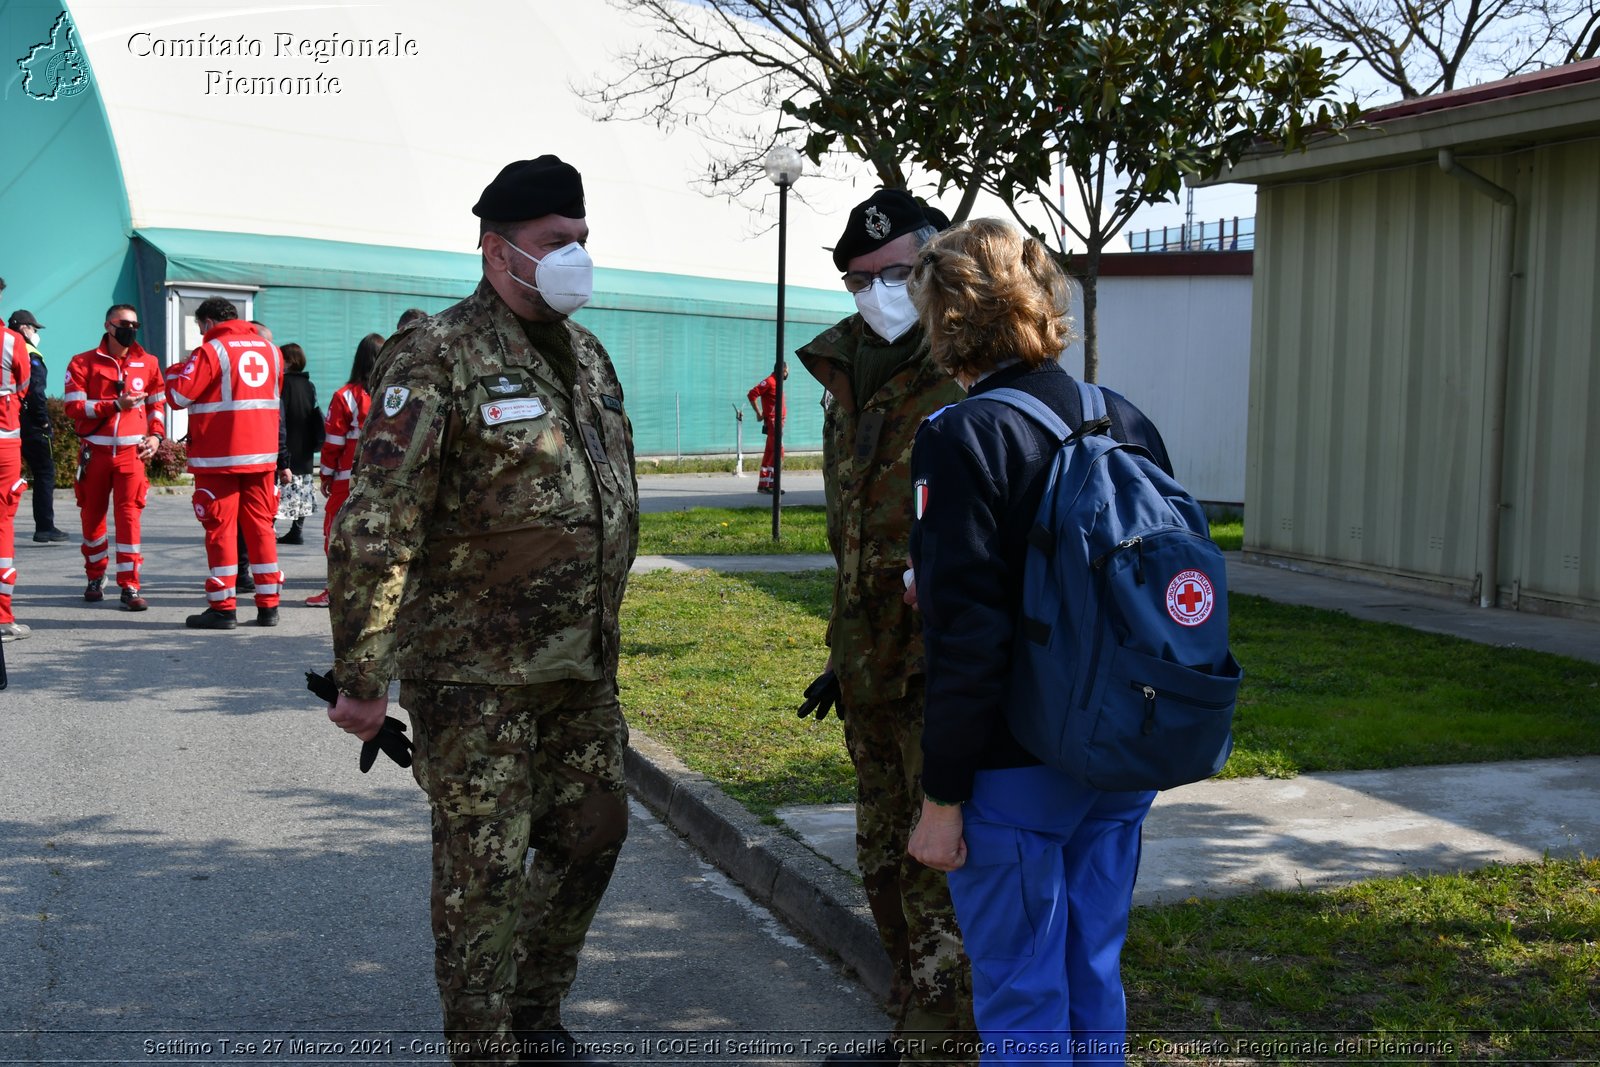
21	318
532	189
879	219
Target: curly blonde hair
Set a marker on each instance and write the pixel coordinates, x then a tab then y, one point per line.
985	294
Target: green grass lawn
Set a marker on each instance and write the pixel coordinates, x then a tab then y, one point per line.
1500	964
1324	691
799	461
1229	536
748	531
713	666
732	531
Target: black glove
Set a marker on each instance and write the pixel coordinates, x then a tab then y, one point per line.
323	686
391	737
821	695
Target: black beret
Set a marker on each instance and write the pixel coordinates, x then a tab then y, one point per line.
879	219
532	189
22	317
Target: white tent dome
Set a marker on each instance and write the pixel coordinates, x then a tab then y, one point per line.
381	123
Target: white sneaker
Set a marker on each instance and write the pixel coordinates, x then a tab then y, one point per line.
14	631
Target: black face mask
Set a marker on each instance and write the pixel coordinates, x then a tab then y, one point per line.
125	335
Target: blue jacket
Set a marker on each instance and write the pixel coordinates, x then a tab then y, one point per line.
35	415
978	473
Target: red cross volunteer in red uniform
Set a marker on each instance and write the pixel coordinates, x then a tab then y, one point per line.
115	399
230	387
766	392
14	371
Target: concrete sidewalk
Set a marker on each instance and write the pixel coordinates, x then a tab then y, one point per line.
1212	838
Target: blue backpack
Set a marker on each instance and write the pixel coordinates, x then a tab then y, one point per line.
1122	676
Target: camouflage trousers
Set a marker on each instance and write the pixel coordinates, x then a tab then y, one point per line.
930	995
509	769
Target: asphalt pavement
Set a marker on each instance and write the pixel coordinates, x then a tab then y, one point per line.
190	862
673	492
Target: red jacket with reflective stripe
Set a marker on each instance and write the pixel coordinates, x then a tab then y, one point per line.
14	371
92	378
341	431
766	390
230	386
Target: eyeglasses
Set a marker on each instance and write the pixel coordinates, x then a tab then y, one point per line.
859	281
130	325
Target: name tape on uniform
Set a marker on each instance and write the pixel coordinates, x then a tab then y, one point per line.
497	411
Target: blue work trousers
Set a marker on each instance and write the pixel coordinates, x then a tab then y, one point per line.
1043	904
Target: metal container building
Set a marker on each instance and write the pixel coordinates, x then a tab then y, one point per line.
1425	347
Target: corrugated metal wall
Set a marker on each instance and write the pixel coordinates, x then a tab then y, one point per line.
687	349
684	374
1368	386
1552	546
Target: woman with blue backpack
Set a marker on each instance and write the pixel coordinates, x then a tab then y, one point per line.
1041	867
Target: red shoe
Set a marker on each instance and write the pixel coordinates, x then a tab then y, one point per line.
318	601
92	592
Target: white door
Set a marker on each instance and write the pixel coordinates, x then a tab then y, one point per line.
183	336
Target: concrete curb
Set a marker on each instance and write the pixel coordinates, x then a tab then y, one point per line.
806	891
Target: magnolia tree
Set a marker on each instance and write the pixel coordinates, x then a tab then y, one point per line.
1134	97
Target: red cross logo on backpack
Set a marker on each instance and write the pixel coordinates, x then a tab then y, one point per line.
1190	598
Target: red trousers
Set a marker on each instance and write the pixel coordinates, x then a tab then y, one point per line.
765	479
11	487
107	480
228	505
337	495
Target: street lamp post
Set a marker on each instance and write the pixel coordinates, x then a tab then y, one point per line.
783	166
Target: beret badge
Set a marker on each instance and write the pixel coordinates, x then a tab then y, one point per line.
877	224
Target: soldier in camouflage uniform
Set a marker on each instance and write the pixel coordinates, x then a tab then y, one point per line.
481	559
881	384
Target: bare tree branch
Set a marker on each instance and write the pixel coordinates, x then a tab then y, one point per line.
1426	46
1586	42
729	69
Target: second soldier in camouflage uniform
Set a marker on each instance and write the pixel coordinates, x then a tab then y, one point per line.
481	559
881	384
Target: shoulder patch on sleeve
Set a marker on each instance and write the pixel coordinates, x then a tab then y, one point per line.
394	398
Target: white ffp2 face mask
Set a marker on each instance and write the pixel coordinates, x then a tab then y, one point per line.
887	309
565	277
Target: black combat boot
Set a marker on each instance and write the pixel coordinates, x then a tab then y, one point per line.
212	619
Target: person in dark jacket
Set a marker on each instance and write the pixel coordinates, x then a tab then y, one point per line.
36	433
1041	869
302	423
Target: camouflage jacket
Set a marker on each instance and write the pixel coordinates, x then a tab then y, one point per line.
493	513
875	638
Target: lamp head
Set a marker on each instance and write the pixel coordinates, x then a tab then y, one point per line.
784	164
